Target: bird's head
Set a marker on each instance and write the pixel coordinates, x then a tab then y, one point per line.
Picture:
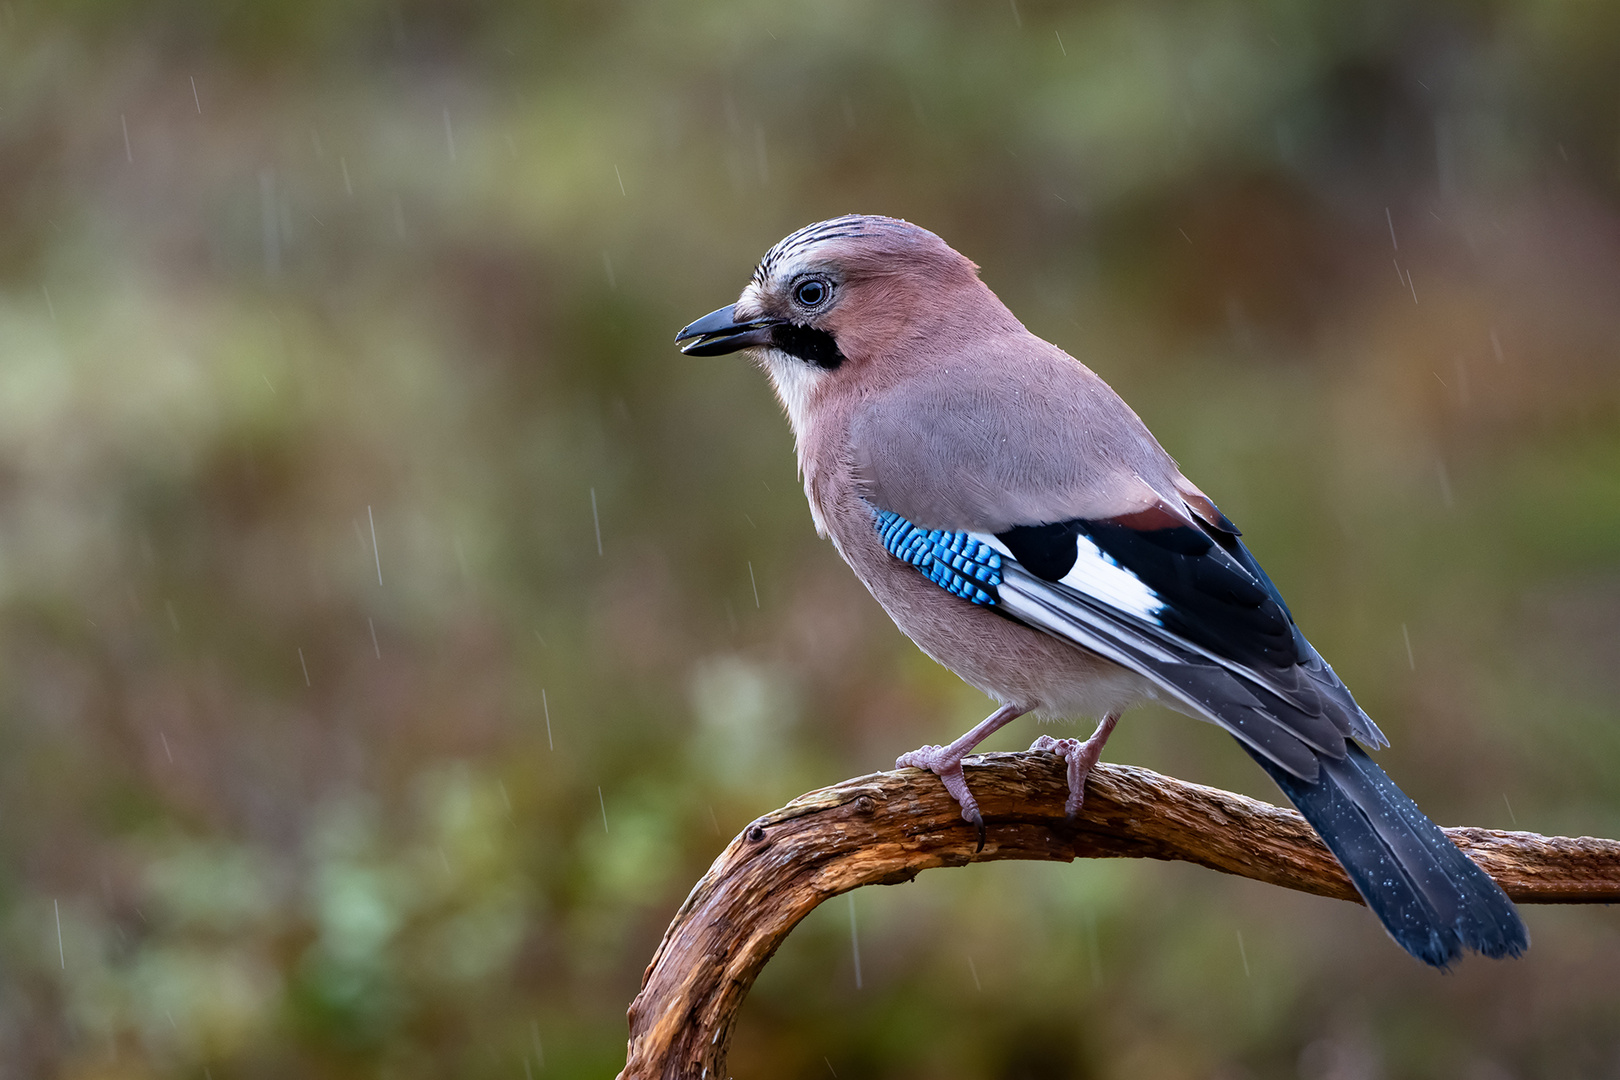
840	297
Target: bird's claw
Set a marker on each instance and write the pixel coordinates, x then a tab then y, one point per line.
1080	757
937	760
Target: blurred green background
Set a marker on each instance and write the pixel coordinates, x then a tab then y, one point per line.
395	626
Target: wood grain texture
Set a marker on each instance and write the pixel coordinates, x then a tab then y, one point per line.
887	827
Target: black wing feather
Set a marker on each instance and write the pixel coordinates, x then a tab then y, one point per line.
1216	596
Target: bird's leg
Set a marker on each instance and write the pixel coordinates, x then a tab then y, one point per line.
946	761
1081	756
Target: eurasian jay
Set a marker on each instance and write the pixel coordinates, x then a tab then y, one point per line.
1018	521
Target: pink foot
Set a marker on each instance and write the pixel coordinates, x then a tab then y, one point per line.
946	765
1081	756
945	762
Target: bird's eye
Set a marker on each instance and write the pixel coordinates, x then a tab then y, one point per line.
811	293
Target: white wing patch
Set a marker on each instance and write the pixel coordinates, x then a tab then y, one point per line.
1097	575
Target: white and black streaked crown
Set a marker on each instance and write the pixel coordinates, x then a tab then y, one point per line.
837	228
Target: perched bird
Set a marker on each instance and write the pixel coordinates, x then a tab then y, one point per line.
1020	523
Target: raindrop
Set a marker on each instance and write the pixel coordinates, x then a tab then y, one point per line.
1406	637
304	666
974	971
375	550
754	583
374	646
854	941
1244	954
61	951
545	708
164	739
1391	219
1445	482
1511	815
1059	37
1092	950
129	152
603	801
194	95
620	178
596	520
348	184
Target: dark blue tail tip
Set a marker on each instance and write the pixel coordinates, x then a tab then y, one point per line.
1510	945
1432	947
1440	949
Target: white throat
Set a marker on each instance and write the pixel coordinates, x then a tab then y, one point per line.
795	382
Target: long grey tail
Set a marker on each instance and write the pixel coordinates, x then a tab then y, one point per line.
1434	900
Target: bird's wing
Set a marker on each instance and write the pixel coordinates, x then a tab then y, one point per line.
1020	433
1067	496
1184	606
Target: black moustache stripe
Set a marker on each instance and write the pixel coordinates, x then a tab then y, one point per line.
808	344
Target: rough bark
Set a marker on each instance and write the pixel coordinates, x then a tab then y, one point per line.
888	827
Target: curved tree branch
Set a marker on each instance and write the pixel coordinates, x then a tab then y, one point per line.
887	827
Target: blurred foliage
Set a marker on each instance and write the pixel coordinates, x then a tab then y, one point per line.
395	627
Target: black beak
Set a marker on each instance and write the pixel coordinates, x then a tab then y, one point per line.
719	332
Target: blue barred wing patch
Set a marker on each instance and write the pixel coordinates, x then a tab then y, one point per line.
954	561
